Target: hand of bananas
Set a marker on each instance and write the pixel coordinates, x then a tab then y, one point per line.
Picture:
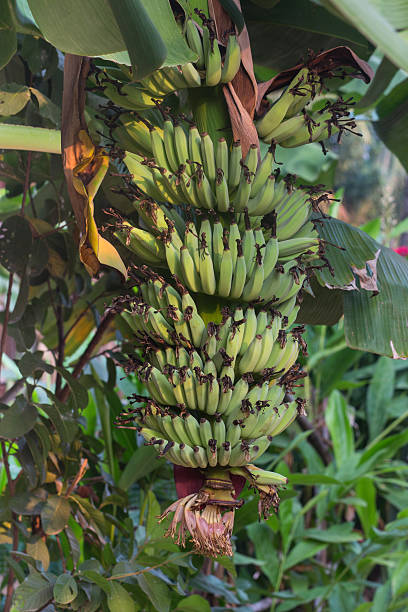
225	248
216	64
293	120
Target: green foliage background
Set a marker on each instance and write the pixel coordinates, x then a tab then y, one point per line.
79	498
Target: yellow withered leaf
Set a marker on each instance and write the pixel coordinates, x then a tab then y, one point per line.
87	178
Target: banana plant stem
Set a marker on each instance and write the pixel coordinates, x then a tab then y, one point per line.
27	138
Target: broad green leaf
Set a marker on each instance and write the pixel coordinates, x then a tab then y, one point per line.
364	607
119	600
341	600
379	394
216	586
65	589
143	461
78	392
382	597
392	123
32	594
374	323
384	449
8	35
303	550
31	363
74	545
91	29
55	514
160	13
22	298
28	502
303	15
47	109
365	489
261	536
281	34
156	590
335	534
146	48
375	21
61	418
194	603
95	576
23	18
324	308
153	528
378	324
399	577
356	248
16	241
37	548
382	78
17	420
339	426
13	98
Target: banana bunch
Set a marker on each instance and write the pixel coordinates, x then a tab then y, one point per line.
291	120
223	247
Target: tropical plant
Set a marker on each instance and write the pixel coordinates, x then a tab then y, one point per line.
230	246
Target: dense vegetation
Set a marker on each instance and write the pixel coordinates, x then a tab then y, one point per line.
80	496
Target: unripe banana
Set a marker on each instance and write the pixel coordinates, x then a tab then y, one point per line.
168	138
234	166
232	60
213	67
191	76
194	41
275	115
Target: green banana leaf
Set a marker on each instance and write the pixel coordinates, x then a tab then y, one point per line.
374	322
281	34
8	36
383	22
382	79
146	30
392	126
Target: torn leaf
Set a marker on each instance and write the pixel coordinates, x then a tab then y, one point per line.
368	274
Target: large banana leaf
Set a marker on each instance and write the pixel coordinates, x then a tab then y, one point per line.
374	322
282	33
392	126
383	22
147	30
8	36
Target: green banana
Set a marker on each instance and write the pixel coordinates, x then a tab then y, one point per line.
194	41
232	60
213	66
